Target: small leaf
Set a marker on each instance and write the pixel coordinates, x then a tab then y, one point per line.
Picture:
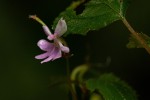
111	88
133	43
97	14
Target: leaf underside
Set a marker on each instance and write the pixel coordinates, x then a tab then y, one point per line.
97	14
111	88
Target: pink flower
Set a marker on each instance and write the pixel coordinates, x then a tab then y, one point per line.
52	50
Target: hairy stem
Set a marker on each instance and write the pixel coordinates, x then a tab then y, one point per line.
74	96
136	35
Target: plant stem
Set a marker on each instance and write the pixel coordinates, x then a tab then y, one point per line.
136	35
74	96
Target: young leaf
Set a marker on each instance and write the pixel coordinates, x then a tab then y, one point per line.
133	43
111	88
97	14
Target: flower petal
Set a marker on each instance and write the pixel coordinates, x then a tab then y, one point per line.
61	28
46	60
56	53
45	45
46	30
63	48
51	37
42	56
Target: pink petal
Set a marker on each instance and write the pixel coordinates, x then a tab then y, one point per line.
46	30
65	49
45	45
41	56
46	60
61	28
56	53
51	37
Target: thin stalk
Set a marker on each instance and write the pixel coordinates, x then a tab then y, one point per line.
74	96
136	35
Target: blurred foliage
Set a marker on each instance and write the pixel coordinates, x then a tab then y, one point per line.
111	88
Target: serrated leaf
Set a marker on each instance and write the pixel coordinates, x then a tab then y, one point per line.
133	43
97	14
111	88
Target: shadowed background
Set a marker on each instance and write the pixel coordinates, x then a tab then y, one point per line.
23	78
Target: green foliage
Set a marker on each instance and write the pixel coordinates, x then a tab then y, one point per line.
96	96
133	43
97	14
111	88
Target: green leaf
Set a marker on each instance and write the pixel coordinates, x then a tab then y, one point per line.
111	88
97	14
133	43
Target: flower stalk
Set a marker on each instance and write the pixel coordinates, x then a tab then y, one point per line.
72	90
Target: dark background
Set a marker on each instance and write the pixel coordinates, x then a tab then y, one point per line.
23	78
